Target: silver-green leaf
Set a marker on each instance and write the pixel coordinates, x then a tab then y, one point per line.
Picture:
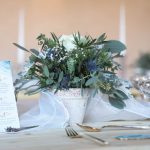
91	81
46	71
116	102
61	75
114	46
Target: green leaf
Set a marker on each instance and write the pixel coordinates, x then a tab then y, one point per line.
82	91
41	36
21	47
49	81
61	75
114	46
91	81
32	58
46	71
32	92
95	92
76	80
116	102
55	87
34	51
70	65
121	95
52	75
55	38
102	37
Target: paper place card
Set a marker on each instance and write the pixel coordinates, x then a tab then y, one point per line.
8	107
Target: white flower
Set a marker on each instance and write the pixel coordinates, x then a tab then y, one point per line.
67	41
76	55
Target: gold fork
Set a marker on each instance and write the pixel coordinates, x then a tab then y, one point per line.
73	134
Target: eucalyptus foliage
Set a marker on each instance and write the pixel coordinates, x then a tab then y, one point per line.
75	62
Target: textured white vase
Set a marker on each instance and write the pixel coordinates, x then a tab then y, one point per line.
75	103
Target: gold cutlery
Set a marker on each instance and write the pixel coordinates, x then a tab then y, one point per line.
73	134
89	128
93	129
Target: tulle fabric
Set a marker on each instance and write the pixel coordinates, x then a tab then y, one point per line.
99	109
51	112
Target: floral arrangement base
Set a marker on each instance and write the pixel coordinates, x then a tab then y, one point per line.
57	110
75	103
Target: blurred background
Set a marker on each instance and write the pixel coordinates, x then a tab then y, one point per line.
21	21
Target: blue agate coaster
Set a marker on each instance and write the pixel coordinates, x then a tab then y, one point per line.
133	136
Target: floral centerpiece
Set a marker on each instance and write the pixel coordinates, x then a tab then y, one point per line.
74	61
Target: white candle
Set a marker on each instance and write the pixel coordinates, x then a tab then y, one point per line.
21	41
122	23
122	32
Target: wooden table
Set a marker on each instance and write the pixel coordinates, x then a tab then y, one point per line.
56	139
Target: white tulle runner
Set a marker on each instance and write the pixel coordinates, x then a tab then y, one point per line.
49	112
52	113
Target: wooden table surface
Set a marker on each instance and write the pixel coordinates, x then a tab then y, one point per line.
56	139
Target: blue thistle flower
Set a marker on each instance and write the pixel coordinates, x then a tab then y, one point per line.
91	65
64	82
50	54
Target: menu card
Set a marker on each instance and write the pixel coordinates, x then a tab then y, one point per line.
8	107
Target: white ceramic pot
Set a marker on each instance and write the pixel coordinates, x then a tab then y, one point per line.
75	103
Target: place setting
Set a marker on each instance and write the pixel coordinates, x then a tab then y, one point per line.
110	135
